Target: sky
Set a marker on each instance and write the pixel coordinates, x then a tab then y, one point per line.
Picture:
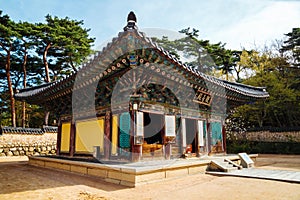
238	23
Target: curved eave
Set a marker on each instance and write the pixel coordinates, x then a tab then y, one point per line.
98	62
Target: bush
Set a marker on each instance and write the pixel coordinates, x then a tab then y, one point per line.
263	147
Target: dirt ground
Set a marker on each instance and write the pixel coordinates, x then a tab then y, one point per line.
18	180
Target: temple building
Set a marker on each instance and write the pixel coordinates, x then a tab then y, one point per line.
134	101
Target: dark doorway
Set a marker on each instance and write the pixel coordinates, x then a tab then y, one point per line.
191	135
153	128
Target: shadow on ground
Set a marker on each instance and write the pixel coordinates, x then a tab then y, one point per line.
19	177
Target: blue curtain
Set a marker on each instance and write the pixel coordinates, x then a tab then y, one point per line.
125	130
216	129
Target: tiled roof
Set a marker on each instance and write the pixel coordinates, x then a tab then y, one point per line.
93	66
31	131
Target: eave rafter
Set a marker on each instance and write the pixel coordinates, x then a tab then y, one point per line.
106	67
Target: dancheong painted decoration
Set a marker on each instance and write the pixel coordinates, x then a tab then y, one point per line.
179	110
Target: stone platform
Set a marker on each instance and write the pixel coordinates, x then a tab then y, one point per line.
276	175
133	174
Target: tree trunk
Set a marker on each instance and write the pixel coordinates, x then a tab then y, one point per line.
24	86
11	91
47	76
46	119
238	77
72	65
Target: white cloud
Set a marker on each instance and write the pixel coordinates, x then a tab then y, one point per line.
271	23
235	22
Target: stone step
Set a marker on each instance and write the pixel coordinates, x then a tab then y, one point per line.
221	166
233	163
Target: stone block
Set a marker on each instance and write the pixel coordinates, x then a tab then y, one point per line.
150	177
1	150
28	153
22	153
79	169
176	173
2	154
31	149
197	169
114	175
97	172
37	162
57	165
114	181
13	149
16	153
9	153
128	184
128	177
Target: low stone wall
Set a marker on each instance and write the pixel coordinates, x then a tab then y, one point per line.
19	144
267	136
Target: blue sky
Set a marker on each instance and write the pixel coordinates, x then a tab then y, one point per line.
239	23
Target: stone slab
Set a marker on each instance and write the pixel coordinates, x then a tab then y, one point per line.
102	173
277	175
79	169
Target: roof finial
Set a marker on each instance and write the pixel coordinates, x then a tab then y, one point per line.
131	21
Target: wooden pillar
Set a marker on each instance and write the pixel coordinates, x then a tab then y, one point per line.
72	138
224	138
107	135
136	150
168	146
168	149
197	151
58	140
209	137
183	135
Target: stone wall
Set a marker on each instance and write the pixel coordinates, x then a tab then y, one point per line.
267	136
19	144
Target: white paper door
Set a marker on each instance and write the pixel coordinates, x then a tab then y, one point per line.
200	133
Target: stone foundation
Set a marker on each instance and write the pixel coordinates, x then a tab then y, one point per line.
133	174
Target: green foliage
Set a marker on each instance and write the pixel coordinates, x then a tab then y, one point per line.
292	47
64	44
27	49
202	54
263	147
271	70
275	68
